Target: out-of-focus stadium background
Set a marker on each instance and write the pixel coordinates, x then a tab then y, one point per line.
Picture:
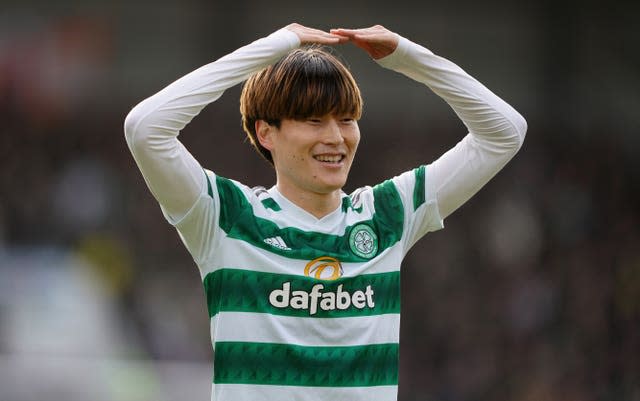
532	292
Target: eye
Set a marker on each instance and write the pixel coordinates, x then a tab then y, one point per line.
314	120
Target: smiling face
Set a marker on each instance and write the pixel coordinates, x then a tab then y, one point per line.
306	83
311	156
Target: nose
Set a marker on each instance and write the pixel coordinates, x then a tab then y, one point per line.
333	132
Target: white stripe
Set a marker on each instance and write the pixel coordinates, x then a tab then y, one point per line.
237	254
344	331
246	392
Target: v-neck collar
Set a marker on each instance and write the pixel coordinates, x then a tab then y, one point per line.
302	215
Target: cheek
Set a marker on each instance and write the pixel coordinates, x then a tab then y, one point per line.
354	140
355	135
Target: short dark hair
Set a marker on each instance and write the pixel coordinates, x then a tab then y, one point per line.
307	82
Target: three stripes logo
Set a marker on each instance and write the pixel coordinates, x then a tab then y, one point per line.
277	242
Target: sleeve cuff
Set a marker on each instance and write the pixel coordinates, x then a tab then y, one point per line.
286	36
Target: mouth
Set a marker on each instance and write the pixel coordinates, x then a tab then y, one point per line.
330	159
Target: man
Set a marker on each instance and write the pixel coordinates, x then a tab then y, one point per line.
302	280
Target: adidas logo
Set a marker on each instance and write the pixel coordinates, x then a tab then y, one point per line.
277	242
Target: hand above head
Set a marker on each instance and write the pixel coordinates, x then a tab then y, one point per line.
377	40
311	35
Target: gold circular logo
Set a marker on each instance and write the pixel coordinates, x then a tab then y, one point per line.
324	268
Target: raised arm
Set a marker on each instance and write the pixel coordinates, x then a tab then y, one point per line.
496	130
174	177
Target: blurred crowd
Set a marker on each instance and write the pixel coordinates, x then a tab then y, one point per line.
531	292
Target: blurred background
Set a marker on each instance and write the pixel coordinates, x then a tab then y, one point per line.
532	292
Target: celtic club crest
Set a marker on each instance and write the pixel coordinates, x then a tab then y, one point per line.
363	241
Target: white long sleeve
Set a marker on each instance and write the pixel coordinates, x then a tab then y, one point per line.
496	130
174	177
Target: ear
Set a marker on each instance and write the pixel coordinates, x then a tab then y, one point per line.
264	134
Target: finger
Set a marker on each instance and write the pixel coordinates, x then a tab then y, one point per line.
346	31
365	35
318	32
311	35
350	33
325	39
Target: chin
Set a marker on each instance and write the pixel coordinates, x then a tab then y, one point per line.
330	184
327	188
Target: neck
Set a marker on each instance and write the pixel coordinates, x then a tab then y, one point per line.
317	204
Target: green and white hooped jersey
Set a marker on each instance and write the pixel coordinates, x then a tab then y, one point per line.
301	308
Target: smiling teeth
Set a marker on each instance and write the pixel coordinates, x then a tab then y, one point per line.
330	159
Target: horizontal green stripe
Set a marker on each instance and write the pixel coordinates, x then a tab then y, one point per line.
236	290
294	365
237	220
